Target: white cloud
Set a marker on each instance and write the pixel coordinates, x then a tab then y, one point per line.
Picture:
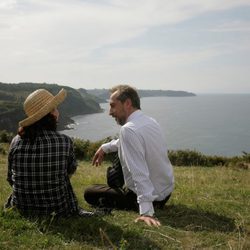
234	26
7	4
81	41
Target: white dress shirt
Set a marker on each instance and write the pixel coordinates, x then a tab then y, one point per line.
143	156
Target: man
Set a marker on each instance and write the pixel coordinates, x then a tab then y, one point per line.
41	161
148	173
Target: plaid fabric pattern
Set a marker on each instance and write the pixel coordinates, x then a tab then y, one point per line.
39	174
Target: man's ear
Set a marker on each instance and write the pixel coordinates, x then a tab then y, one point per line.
128	103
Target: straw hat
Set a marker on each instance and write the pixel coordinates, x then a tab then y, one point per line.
40	103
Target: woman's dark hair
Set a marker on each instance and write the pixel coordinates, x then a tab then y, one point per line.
127	92
48	122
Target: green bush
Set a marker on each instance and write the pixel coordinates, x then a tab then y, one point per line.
194	158
5	136
2	150
242	162
85	150
246	157
81	148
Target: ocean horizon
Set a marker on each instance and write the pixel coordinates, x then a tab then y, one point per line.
213	124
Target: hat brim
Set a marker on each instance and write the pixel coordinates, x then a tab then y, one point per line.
44	110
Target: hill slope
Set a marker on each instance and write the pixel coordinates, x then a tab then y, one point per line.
12	97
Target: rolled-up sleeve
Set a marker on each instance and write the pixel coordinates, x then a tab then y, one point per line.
111	146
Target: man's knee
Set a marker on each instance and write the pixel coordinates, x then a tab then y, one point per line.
93	193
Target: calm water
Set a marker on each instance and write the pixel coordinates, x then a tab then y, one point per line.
211	124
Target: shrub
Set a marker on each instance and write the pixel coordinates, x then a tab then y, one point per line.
242	162
2	150
80	148
5	136
194	158
246	157
85	150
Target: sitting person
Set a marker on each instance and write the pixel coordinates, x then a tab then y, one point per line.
41	161
147	171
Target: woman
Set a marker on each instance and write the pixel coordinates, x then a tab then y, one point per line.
41	160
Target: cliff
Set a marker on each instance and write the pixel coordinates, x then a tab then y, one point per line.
12	97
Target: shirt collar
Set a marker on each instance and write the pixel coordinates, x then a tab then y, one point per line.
134	115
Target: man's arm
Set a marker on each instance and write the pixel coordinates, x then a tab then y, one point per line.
105	148
134	156
98	157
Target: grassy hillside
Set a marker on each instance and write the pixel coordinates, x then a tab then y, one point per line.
12	97
208	210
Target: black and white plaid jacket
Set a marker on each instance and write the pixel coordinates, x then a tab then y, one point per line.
39	174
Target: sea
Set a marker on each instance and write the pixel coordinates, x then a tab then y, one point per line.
213	124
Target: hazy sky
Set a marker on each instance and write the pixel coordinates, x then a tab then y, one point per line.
201	46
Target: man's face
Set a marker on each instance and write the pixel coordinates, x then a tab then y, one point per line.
117	109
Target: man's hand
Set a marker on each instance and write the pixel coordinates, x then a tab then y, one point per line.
150	221
98	157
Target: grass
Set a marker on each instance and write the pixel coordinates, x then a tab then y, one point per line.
209	209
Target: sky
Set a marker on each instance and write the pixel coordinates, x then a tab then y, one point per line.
200	46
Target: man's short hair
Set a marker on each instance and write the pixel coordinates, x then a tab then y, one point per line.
127	92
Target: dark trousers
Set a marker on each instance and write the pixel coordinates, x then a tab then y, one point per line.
103	196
